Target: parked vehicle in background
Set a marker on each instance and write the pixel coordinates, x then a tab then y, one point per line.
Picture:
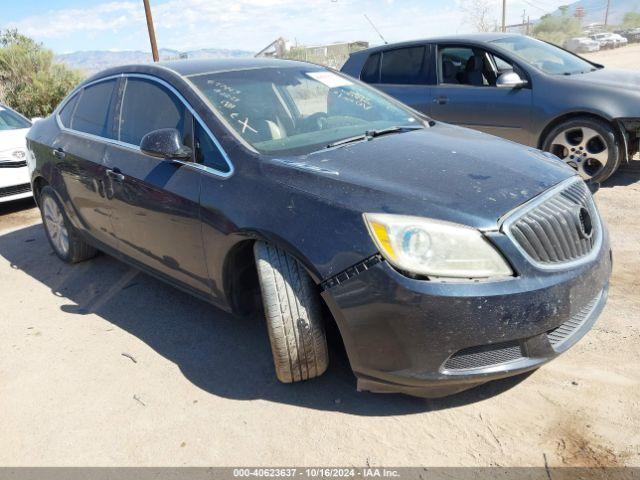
446	257
14	174
518	88
632	35
620	40
606	40
582	45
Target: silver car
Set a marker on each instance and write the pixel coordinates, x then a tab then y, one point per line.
515	87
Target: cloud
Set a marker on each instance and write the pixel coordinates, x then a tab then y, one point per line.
242	24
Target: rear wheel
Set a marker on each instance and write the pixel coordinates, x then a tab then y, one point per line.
588	145
293	313
64	240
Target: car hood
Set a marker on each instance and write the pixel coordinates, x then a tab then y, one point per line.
618	79
444	172
12	139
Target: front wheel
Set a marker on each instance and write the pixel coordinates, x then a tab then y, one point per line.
293	313
64	239
588	145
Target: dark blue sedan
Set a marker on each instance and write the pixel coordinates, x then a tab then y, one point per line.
287	188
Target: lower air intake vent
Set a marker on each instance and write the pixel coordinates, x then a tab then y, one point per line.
484	356
15	190
558	335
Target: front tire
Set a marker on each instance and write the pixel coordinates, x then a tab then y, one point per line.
293	313
63	238
589	145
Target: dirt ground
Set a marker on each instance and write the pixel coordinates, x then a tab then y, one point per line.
101	365
624	57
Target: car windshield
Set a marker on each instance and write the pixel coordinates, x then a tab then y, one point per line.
548	58
12	121
298	110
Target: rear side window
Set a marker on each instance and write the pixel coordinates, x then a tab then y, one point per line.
148	106
404	66
92	112
67	110
371	69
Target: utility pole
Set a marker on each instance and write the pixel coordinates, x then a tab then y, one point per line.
606	13
504	15
152	32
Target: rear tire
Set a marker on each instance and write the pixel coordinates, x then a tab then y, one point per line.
293	313
63	238
589	145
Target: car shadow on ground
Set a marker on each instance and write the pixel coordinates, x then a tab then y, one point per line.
219	353
627	174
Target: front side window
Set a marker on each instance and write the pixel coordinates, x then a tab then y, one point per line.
548	58
10	120
404	66
149	106
298	109
473	66
91	115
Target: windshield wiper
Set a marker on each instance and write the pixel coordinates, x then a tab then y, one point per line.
371	134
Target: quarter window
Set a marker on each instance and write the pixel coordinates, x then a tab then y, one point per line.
371	69
92	112
207	153
67	111
148	106
404	66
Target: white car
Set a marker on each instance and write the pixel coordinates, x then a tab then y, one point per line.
14	174
582	44
621	41
607	40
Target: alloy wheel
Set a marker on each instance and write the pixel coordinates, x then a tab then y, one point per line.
582	148
54	222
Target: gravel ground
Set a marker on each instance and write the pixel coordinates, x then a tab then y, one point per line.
624	57
102	365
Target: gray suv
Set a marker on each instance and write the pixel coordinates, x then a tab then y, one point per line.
518	88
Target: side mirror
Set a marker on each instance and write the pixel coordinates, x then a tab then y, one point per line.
510	80
165	143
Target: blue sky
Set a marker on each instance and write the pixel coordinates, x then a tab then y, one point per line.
70	25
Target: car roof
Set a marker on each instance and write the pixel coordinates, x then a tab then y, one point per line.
471	37
185	68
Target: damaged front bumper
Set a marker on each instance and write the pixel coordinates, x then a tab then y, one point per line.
434	339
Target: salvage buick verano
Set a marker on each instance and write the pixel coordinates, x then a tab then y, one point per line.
443	262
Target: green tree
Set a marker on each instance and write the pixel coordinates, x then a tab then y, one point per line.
631	20
557	28
30	81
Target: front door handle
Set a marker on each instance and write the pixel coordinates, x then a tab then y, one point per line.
59	153
115	174
441	99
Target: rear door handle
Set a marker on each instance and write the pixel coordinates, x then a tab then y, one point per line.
59	153
115	174
441	99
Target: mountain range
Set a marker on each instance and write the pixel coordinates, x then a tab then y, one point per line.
95	60
594	10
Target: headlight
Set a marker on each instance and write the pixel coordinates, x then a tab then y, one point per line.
435	248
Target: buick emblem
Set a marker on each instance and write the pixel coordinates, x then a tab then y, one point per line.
584	223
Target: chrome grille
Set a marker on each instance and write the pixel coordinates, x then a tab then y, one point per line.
563	227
